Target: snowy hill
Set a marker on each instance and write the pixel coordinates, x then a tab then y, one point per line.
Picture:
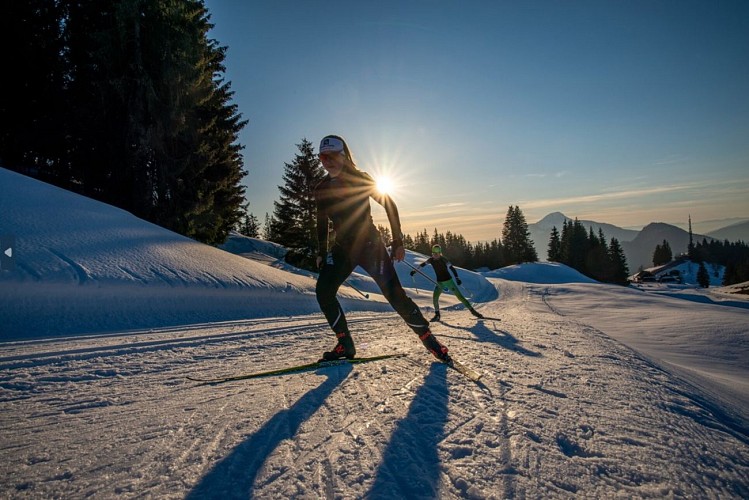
85	267
686	272
588	390
540	272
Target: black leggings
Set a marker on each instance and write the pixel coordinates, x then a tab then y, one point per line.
374	258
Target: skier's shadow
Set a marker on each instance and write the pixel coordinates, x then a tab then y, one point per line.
483	333
410	466
234	475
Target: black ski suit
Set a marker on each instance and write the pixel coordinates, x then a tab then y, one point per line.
344	200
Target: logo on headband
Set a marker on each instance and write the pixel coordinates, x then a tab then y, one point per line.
331	144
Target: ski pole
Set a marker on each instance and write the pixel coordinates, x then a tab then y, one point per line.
365	295
421	273
466	291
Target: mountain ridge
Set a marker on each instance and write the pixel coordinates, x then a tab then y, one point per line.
639	245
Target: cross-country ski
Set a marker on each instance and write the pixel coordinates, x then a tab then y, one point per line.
292	369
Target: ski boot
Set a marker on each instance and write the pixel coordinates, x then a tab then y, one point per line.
436	316
476	313
343	349
435	347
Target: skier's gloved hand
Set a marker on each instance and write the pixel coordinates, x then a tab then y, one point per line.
457	280
412	273
398	252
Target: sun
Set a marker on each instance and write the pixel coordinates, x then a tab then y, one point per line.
385	185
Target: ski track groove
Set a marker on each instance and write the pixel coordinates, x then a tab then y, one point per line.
535	428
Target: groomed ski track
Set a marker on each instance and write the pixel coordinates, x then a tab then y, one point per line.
562	410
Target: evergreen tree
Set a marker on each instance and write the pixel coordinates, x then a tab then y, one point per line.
555	246
268	228
668	255
588	253
574	245
619	271
422	244
295	213
408	242
387	239
518	246
703	277
662	254
33	101
597	258
734	256
248	224
143	119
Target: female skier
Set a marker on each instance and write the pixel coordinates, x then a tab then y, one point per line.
444	281
343	198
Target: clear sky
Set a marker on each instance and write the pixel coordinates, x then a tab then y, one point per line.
626	112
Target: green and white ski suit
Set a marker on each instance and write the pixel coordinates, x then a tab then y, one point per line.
445	281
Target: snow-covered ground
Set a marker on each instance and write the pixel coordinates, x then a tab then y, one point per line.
590	390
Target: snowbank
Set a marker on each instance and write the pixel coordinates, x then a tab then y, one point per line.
540	273
645	398
82	266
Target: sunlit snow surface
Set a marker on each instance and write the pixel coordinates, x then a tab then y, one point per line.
588	389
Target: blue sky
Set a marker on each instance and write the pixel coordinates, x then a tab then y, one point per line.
625	112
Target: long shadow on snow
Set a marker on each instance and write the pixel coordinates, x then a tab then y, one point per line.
234	475
483	333
410	466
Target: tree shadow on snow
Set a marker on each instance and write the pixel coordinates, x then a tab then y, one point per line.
234	475
410	466
483	333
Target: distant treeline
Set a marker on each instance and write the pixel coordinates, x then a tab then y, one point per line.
514	246
293	226
734	256
124	102
589	253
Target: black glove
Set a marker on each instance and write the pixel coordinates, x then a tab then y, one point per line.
457	280
412	273
323	258
395	244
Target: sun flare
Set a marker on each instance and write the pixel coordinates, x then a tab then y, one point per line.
385	185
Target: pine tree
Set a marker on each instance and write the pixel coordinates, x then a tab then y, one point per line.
574	245
33	101
143	118
421	243
248	224
555	246
408	242
268	228
662	254
295	212
387	239
703	277
597	257
618	263
518	246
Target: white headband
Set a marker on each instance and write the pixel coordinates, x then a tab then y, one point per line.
331	145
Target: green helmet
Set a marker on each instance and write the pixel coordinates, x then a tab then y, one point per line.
436	249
